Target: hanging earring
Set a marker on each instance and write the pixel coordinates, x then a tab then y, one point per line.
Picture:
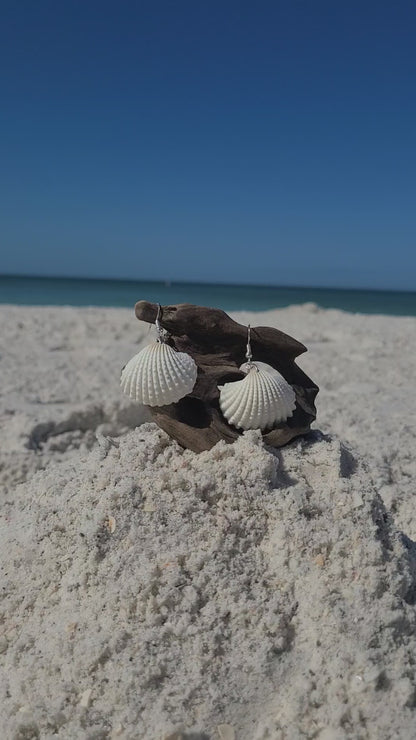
159	375
259	401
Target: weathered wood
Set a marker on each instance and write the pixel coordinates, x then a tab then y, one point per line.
218	346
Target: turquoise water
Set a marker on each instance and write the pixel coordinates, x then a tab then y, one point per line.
85	292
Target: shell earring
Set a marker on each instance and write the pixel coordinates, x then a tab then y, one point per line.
259	401
159	375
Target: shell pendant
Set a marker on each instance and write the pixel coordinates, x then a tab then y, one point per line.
159	375
259	401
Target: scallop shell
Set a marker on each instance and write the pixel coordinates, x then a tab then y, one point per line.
158	375
259	401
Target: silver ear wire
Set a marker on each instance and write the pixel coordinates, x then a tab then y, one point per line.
249	354
249	365
157	322
162	334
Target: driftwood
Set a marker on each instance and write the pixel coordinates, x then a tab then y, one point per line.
218	346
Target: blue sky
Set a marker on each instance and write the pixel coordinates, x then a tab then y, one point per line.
268	142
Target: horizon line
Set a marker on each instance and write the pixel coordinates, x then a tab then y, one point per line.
168	282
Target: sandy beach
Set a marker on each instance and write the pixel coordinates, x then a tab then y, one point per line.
240	594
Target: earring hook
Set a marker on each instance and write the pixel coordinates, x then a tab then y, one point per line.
158	325
162	334
249	354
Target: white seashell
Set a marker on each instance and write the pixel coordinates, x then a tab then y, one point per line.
259	401
158	375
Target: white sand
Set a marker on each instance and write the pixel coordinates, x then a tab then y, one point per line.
236	594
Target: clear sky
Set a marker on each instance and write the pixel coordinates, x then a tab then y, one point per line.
261	142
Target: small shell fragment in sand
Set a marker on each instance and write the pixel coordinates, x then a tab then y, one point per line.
226	732
371	673
149	506
117	731
110	524
71	628
85	698
357	500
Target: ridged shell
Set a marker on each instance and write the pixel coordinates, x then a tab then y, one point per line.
259	401
158	375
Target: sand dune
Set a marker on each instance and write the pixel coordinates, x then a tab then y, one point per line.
240	593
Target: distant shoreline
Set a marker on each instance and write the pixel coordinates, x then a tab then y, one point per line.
41	291
201	283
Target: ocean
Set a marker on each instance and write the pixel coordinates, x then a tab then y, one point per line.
37	291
